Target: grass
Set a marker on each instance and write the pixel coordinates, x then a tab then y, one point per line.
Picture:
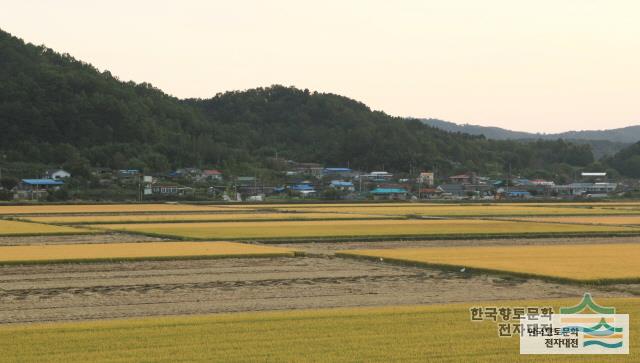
291	230
437	333
581	263
16	228
105	208
133	251
463	210
193	217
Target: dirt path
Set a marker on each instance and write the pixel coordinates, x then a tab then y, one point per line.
113	290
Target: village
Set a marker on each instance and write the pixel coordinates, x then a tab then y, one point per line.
306	181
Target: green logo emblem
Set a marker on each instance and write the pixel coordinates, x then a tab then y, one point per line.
587	303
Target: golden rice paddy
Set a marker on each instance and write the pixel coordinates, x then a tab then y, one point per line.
106	208
137	251
356	228
468	210
605	220
16	228
586	262
195	217
379	334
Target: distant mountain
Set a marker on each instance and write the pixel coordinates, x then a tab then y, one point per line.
603	142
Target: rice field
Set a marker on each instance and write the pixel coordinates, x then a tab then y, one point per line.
133	251
381	334
585	263
603	220
17	228
291	230
106	208
468	210
193	217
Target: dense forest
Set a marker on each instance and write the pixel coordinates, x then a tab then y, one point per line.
56	110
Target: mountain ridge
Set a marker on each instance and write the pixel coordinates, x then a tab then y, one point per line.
603	142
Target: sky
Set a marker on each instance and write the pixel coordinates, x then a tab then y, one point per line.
538	66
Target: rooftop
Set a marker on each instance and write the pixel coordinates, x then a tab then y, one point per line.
388	191
42	182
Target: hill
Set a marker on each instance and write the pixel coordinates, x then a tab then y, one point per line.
603	142
56	110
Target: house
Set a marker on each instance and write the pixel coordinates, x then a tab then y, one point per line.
378	176
451	190
389	194
345	186
478	190
211	174
428	193
311	169
585	189
468	178
128	173
426	178
517	194
338	172
169	189
521	182
304	190
57	174
542	182
36	188
194	173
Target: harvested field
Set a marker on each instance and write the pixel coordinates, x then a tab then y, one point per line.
586	262
75	238
290	230
106	208
329	248
143	288
408	334
133	251
196	217
16	228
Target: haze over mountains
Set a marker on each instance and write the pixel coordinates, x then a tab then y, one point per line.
603	142
629	134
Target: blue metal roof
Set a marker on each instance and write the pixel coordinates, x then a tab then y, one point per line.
337	170
388	191
42	182
301	187
339	183
518	193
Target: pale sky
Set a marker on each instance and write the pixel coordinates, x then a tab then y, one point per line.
543	65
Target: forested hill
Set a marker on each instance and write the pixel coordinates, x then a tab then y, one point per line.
60	111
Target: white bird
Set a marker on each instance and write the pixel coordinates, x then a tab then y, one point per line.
463	269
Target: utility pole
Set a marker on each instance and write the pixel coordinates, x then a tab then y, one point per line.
509	179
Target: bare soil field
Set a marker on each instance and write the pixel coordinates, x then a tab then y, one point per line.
116	290
331	247
51	240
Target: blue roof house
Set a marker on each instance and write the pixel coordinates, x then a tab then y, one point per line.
342	185
36	188
389	193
